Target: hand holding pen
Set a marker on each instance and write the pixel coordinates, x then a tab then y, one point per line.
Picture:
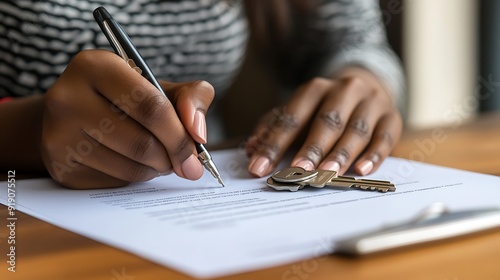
105	125
124	47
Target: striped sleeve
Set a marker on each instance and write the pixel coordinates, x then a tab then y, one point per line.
181	40
356	36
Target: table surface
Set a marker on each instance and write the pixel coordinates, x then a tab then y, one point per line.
45	251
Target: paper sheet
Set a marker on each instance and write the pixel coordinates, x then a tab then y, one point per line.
206	231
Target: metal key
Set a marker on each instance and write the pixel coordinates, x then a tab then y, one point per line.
296	178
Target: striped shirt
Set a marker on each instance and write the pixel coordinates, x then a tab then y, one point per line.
180	40
185	40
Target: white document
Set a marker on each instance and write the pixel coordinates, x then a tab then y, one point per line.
204	230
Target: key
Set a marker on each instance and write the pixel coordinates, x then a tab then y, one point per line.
293	174
296	178
292	178
293	187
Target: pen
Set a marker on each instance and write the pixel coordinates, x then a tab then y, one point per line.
123	46
435	223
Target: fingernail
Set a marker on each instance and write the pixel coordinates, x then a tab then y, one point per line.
259	166
365	167
200	125
306	164
330	165
191	168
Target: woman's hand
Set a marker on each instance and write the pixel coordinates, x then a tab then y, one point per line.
349	119
106	126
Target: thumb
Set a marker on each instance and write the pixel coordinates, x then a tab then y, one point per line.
191	101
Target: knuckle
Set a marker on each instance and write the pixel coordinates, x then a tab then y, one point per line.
281	120
386	137
360	127
143	146
85	58
203	92
264	135
314	152
270	151
319	83
152	109
183	147
316	85
205	87
353	82
332	120
341	155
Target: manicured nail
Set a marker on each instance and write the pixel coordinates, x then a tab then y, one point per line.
330	165
365	167
191	168
306	164
200	126
258	167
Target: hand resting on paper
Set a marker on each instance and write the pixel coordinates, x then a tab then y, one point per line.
349	119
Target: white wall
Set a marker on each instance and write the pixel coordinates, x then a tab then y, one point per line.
441	62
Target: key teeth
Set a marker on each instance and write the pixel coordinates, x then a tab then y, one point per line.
364	187
372	188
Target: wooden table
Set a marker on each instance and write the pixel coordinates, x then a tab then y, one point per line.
45	251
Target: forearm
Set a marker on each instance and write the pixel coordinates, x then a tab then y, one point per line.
20	127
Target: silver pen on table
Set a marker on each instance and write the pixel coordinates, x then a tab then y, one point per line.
123	46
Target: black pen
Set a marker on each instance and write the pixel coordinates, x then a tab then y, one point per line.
123	46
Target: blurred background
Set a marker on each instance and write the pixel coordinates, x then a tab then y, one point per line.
450	50
451	53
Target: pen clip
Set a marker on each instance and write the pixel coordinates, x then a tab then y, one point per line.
118	47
